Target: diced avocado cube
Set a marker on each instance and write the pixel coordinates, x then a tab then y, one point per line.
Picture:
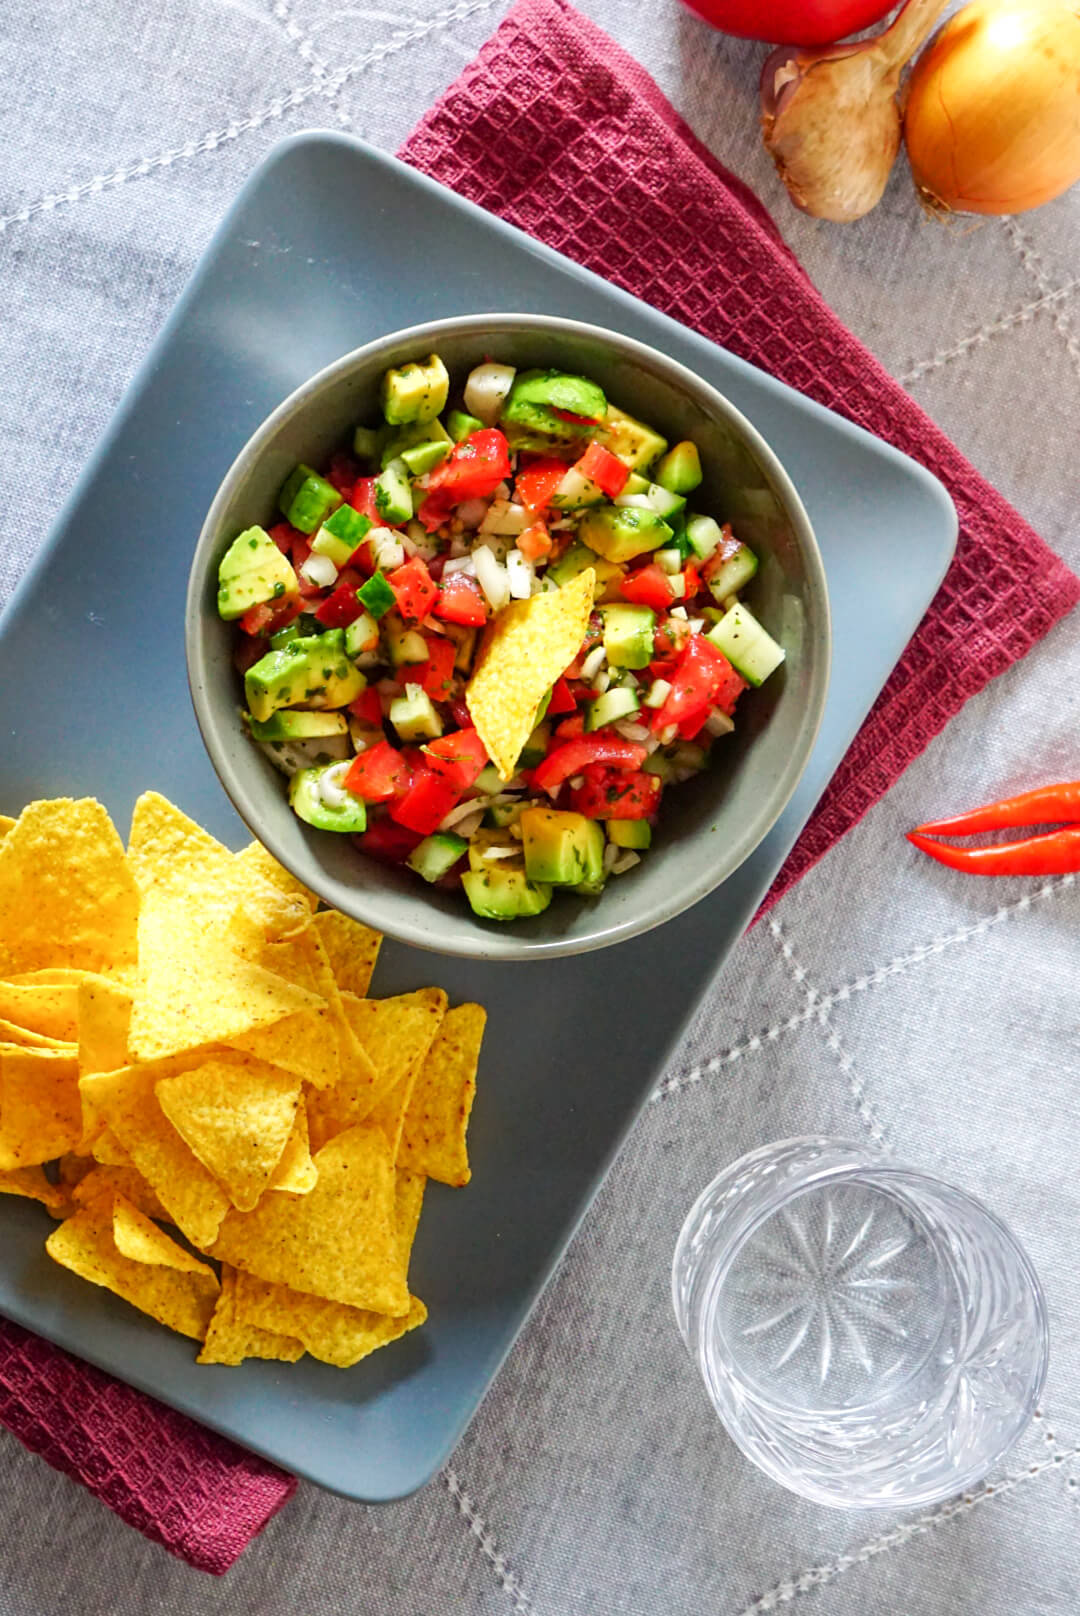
252	572
340	534
635	484
361	635
376	595
576	559
537	394
307	499
635	833
412	436
660	765
424	457
437	854
492	847
636	444
393	492
414	717
460	424
535	748
628	635
403	644
680	468
366	441
496	894
620	533
294	726
318	797
561	848
307	672
415	392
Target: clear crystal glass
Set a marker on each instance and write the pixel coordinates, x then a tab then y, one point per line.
870	1336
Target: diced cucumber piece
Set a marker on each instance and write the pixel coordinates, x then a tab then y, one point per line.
414	717
318	797
704	535
424	457
629	633
307	499
403	644
366	441
652	498
461	425
252	572
660	765
294	726
680	468
501	814
576	491
748	646
734	573
635	833
486	390
415	392
535	748
496	894
437	854
619	702
376	596
361	635
669	560
340	534
393	492
488	782
306	626
635	484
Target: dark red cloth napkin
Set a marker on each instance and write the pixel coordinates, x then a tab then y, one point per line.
557	130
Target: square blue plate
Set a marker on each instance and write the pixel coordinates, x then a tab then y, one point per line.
317	256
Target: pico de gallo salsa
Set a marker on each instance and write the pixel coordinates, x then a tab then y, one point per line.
365	610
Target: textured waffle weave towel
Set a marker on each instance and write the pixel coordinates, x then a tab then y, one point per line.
559	132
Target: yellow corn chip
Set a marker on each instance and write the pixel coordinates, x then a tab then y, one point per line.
6	824
408	1204
305	1043
525	650
11	1034
340	1241
172	857
296	1173
106	1147
236	1113
301	959
104	1018
74	1168
351	948
32	1183
125	1181
433	1138
50	1008
193	1198
67	897
389	1112
256	859
230	1339
110	1243
397	1035
193	989
333	1332
40	1110
51	977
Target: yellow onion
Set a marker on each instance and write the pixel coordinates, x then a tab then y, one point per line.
992	120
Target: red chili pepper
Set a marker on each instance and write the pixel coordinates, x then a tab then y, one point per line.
460	601
616	793
606	470
1046	805
575	756
1056	852
413	589
572	415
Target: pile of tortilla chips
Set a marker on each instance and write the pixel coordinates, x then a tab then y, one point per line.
190	1070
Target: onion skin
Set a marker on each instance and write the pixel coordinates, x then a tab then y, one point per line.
992	118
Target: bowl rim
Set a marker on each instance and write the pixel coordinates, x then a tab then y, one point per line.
504	945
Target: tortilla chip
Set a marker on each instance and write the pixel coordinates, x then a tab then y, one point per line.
256	859
296	1173
31	1183
193	1198
193	989
351	948
11	1034
301	959
305	1043
408	1204
6	824
433	1138
73	1168
397	1035
40	1109
331	1331
104	1019
125	1181
67	897
230	1339
339	1242
110	1243
389	1112
236	1113
173	857
51	1009
524	651
106	1147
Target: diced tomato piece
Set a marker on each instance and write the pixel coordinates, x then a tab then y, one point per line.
571	729
435	510
342	472
378	774
574	756
362	499
367	707
389	842
691	580
668	641
474	467
691	728
648	586
271	615
457	758
616	793
606	470
436	674
698	675
562	700
460	601
537	479
729	687
413	589
426	803
285	536
535	542
341	608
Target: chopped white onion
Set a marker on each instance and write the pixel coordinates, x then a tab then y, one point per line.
601	682
486	388
498	543
718	723
611	853
626	862
651	744
696	625
577	782
407	544
464	563
593	662
659	691
504	517
678	589
502	491
330	787
459	546
493	579
631	731
669	561
462	810
472	512
319	571
668	734
522	575
386	548
680	612
469	825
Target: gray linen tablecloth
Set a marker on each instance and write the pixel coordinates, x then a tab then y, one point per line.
884	995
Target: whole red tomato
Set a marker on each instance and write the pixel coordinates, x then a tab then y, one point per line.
791	22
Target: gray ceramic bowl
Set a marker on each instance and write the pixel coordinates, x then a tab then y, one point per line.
710	824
